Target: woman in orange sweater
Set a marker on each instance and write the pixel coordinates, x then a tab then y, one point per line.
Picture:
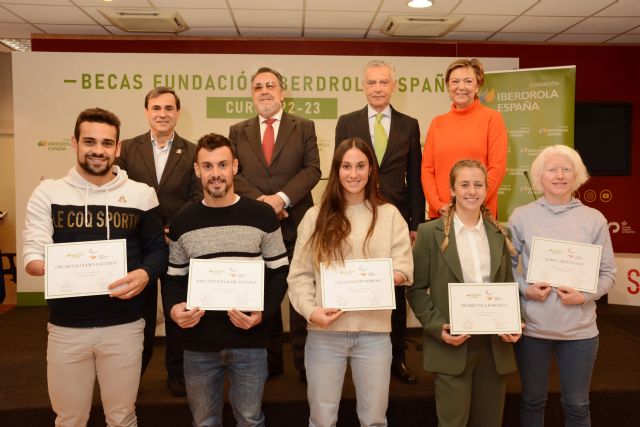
469	131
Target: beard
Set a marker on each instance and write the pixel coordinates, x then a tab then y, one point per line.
95	170
269	108
219	192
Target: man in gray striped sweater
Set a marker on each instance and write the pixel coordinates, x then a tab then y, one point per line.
224	225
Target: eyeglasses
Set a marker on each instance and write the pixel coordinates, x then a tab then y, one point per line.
258	87
465	82
382	83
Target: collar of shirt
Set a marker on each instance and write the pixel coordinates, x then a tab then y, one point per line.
167	146
458	226
276	125
386	119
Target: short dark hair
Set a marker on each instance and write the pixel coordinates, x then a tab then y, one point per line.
160	90
97	115
268	70
212	141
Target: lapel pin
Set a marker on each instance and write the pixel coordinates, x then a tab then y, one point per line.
179	151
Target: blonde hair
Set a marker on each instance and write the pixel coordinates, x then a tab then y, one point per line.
474	64
484	211
537	167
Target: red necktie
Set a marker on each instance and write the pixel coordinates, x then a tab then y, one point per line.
268	141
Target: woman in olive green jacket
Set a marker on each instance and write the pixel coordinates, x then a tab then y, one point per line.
465	246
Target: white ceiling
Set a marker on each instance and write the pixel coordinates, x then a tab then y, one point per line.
538	21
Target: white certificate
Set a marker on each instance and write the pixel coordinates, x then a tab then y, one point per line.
358	285
484	308
83	268
558	262
221	285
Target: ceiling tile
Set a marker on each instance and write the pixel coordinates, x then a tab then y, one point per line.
521	37
17	31
626	38
73	29
270	32
50	14
196	4
440	7
483	23
581	38
539	24
116	4
211	32
45	2
334	33
342	5
493	7
267	4
466	35
273	18
6	16
604	25
568	7
622	8
325	19
207	17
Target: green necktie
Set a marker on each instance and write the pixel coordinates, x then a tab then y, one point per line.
379	138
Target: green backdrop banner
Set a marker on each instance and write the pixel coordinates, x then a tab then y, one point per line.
538	109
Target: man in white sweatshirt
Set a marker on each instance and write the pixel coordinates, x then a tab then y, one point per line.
102	334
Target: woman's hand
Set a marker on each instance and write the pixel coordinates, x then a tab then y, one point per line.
570	296
454	340
324	317
511	338
399	279
538	291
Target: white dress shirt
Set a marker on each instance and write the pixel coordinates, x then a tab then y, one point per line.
473	251
385	120
276	128
161	155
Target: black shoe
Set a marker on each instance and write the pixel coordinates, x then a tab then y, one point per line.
176	386
400	370
302	373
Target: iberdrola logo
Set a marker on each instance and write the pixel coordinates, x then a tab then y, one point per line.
487	96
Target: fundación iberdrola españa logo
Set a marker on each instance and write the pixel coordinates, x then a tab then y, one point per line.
62	144
487	95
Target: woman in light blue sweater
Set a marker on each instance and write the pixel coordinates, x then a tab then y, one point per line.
559	320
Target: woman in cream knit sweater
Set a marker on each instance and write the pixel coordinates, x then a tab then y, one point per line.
353	222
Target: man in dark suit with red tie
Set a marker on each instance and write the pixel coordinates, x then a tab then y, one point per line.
279	165
163	160
395	138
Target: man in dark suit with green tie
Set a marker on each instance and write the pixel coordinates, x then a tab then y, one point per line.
395	138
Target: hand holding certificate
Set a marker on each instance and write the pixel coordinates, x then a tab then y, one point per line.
484	308
84	268
223	285
559	262
358	285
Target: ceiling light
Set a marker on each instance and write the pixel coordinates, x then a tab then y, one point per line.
420	3
23	45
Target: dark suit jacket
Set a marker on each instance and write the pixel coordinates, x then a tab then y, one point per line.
178	183
294	169
400	168
434	270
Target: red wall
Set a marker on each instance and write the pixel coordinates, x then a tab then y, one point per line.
604	74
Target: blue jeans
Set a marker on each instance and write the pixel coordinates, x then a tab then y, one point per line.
204	379
575	360
325	359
